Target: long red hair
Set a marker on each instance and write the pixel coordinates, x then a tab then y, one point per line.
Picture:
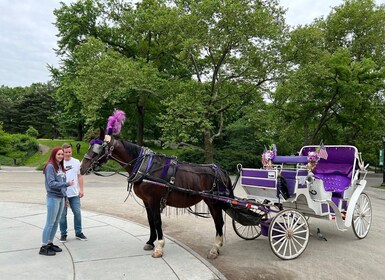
52	159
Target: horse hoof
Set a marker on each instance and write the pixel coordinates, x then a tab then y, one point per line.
148	247
157	254
213	254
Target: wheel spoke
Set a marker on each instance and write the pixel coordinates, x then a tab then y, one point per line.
362	216
278	230
288	234
301	231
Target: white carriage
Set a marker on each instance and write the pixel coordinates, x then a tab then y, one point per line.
291	189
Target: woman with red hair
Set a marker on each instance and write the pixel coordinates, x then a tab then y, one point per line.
55	185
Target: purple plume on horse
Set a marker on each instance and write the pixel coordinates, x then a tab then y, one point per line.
115	122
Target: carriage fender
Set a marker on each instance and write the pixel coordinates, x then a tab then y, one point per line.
353	201
349	214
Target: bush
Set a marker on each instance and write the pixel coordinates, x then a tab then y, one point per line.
32	132
228	159
16	147
193	155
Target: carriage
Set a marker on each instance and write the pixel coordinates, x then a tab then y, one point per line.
290	189
326	182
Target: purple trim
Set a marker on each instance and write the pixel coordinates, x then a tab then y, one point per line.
290	159
264	229
256	173
149	162
138	159
302	172
288	174
259	182
165	168
324	208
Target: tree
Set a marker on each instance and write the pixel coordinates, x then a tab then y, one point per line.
130	35
337	78
232	50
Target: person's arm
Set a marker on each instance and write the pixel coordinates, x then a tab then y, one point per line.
52	182
81	183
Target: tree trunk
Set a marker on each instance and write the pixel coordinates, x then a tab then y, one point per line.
208	147
80	132
140	128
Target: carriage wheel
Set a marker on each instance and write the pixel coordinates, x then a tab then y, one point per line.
362	216
288	234
248	232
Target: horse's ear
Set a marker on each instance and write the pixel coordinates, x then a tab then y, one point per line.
102	134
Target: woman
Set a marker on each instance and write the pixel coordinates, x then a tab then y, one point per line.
55	185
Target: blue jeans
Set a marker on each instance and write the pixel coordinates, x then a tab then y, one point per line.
75	207
55	208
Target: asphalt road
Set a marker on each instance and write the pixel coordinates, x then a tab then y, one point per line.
342	256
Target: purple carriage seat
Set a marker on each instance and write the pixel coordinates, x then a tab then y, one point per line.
335	172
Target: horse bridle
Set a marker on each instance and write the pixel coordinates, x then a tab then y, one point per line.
97	149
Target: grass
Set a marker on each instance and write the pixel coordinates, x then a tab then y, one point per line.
379	187
39	159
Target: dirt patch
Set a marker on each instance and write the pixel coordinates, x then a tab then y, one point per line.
43	149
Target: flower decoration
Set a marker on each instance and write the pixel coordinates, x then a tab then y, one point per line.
268	156
312	158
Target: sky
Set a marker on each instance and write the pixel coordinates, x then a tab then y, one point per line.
28	35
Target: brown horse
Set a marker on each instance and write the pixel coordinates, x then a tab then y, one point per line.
160	180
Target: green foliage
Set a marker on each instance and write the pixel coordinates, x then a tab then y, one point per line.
28	106
32	132
192	155
16	147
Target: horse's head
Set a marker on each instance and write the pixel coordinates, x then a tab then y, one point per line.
97	154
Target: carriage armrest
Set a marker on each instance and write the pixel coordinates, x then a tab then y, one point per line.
290	159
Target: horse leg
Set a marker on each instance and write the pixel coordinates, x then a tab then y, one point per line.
158	251
216	213
150	243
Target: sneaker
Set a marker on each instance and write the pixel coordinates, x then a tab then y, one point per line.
46	251
81	236
63	238
54	248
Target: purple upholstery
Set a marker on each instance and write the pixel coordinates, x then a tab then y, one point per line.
290	159
341	154
336	171
334	183
333	168
258	182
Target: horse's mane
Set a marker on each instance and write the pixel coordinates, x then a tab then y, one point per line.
131	148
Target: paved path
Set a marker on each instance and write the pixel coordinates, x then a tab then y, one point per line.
342	256
114	250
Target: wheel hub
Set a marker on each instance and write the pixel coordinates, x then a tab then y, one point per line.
289	233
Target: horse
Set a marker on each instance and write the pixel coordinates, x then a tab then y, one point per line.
162	181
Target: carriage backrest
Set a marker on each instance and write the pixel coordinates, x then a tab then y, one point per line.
337	170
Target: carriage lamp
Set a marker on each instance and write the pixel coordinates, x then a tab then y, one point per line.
383	161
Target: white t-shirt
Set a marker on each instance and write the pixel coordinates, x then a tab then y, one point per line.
72	168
